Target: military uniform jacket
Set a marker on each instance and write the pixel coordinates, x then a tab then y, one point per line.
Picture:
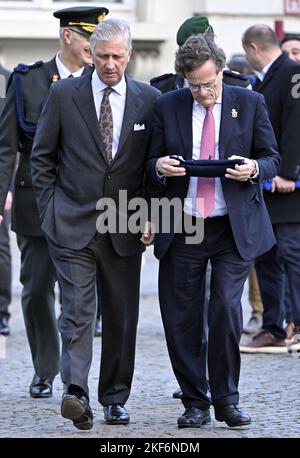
34	83
171	81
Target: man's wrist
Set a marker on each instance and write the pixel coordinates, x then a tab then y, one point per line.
255	173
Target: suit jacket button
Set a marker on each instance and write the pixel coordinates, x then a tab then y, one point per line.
108	176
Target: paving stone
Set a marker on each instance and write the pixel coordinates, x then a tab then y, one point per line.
269	386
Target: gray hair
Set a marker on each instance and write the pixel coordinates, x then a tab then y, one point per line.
61	33
197	50
109	30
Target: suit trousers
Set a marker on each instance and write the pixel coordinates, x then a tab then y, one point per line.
120	282
181	275
274	269
5	266
38	279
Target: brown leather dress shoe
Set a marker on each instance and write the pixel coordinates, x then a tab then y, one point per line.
77	408
232	416
265	342
116	414
193	418
40	387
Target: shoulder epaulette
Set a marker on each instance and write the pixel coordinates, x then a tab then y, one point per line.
239	76
24	68
165	76
28	127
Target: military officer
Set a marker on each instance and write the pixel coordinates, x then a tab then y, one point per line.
5	255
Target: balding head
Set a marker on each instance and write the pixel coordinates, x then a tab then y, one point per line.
262	35
260	45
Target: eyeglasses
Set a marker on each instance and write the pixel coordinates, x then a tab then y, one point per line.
205	86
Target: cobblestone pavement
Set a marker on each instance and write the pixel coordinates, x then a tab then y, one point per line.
269	388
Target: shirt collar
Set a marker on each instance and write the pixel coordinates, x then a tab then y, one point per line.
63	71
99	86
261	75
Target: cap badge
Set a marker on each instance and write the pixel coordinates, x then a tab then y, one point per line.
101	17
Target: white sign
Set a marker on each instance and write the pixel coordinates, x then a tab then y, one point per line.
292	7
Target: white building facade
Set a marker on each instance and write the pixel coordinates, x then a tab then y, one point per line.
29	32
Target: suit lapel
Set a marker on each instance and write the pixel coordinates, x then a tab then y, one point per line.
229	110
133	104
87	70
270	73
184	115
84	100
52	71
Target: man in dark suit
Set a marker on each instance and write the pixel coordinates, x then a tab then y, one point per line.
232	122
170	82
5	255
25	98
277	81
78	164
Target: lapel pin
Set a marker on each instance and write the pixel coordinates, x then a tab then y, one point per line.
234	113
55	78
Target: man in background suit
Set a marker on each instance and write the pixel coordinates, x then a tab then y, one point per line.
5	256
291	44
76	161
236	224
25	98
277	81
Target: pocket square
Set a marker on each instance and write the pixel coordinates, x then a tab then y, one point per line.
139	127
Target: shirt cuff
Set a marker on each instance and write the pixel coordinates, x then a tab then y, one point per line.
161	177
253	179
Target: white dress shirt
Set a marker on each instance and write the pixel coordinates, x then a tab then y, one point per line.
63	71
199	113
261	75
117	100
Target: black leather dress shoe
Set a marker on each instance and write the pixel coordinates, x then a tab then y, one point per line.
77	408
177	394
4	328
232	415
116	414
40	387
193	418
98	329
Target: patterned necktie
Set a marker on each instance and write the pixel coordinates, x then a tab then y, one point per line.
106	123
205	202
